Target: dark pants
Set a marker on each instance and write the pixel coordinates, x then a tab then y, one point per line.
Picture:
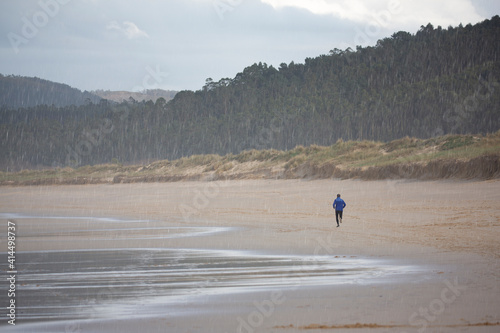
337	214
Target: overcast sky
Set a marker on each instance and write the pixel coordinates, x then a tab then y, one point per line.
177	44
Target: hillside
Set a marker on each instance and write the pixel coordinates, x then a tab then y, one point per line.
146	95
24	92
433	83
447	157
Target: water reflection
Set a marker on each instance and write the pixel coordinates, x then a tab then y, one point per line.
118	282
113	283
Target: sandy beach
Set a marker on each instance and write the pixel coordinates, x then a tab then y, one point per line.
410	256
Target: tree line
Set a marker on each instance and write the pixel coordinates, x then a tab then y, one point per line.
434	82
23	92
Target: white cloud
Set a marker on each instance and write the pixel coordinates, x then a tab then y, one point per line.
444	13
355	10
129	29
391	14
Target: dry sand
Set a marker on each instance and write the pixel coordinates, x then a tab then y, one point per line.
450	230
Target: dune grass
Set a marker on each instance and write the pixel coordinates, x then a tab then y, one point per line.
343	154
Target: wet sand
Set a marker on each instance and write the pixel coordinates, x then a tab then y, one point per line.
437	242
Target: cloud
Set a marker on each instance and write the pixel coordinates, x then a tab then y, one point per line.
392	14
349	9
444	13
129	29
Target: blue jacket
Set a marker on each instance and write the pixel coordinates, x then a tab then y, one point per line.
339	204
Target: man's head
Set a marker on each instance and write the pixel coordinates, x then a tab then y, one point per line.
338	195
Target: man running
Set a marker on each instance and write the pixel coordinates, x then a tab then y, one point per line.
338	205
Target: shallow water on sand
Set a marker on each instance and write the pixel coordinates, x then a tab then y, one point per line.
81	284
122	282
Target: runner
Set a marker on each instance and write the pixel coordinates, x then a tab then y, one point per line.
338	205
